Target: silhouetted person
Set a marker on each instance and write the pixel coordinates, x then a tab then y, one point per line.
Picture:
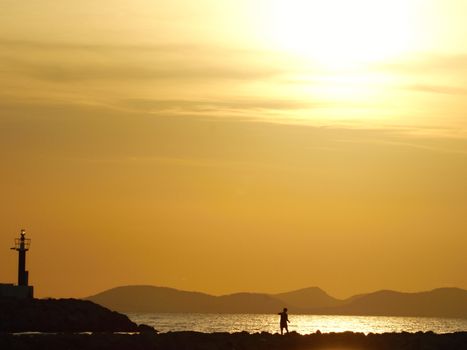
284	320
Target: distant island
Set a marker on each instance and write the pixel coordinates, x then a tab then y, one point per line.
442	302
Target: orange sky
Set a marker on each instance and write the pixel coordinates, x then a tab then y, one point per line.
227	146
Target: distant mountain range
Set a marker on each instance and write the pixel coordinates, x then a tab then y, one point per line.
443	302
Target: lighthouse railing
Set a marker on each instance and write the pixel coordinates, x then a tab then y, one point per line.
25	241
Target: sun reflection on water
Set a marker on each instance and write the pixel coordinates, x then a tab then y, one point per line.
303	324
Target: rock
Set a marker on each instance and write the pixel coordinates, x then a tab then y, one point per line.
145	329
237	341
60	315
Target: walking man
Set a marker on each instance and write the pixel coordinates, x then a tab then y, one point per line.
284	320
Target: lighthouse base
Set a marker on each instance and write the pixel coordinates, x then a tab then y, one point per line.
16	292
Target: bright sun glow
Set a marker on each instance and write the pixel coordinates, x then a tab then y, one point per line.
342	32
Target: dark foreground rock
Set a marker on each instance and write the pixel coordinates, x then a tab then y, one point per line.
60	315
238	341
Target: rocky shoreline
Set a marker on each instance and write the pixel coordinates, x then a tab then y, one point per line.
236	341
60	315
58	324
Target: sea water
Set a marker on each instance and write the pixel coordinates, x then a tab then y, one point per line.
303	324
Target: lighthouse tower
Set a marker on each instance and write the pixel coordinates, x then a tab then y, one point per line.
22	245
23	289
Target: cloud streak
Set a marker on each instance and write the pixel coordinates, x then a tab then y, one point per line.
207	81
427	63
61	62
78	72
438	89
152	105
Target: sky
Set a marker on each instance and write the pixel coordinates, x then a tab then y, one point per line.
225	146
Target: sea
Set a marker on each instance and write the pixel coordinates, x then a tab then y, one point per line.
303	324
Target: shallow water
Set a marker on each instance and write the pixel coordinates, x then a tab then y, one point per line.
303	324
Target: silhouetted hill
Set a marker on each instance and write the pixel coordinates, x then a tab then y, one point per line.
153	299
307	298
161	299
243	302
445	302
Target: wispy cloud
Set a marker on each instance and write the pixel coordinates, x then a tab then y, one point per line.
438	89
66	72
167	48
421	144
62	62
216	105
213	81
427	63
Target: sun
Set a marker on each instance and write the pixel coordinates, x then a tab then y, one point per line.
341	32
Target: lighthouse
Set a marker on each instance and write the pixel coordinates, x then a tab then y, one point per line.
22	245
23	290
